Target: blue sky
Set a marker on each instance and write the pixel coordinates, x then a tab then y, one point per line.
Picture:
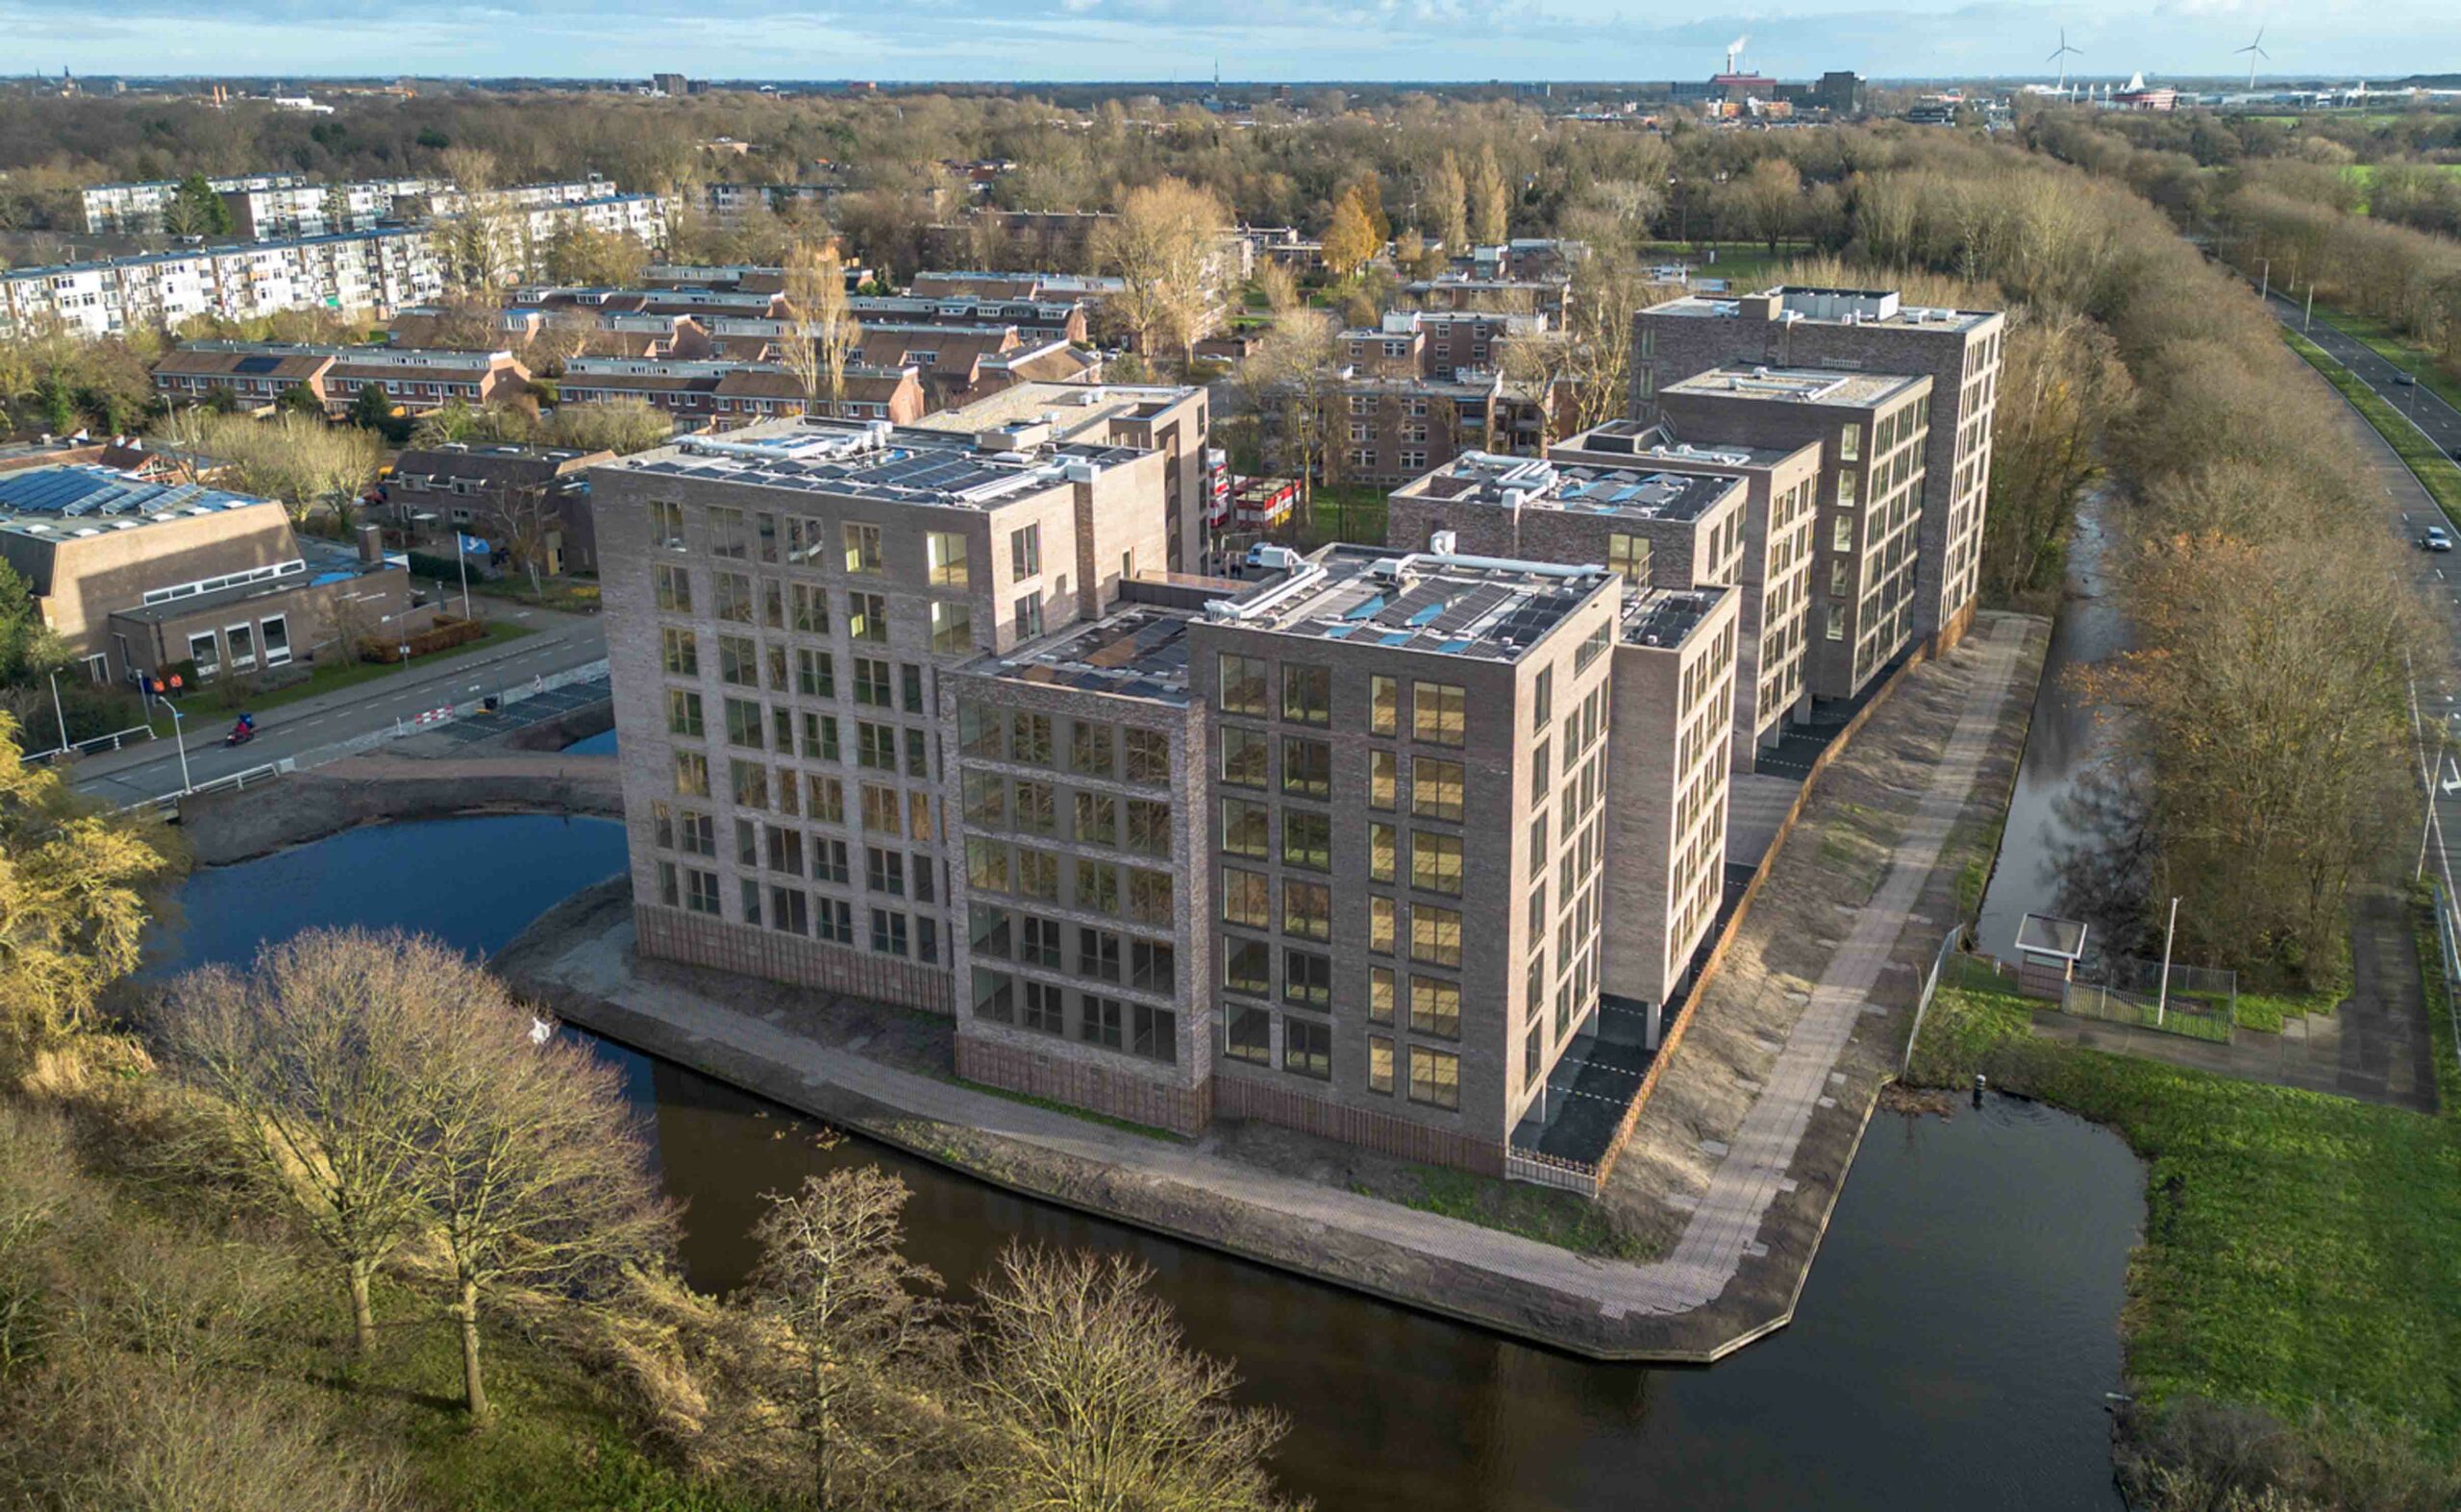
1265	39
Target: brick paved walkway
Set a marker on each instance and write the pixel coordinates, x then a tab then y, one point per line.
1716	1239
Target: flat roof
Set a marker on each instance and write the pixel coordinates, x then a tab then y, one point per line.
876	462
1665	618
1801	385
78	499
1862	307
1136	652
1657	445
1630	493
1070	407
1488	609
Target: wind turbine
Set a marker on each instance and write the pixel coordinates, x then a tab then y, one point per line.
2254	51
2061	58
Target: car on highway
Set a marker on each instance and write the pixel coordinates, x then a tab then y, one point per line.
2435	539
2404	380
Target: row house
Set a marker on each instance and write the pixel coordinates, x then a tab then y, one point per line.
256	373
733	393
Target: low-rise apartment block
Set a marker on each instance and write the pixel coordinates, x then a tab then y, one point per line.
533	501
1390	429
1871	431
727	394
271	212
254	372
1436	344
141	575
1863	330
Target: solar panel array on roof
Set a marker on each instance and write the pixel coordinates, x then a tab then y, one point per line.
85	489
257	364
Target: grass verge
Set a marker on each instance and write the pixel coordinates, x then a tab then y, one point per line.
2396	349
329	677
2298	1248
1533	1212
2438	473
565	595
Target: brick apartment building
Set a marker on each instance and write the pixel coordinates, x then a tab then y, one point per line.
1867	331
1388	429
727	394
253	374
1773	614
1871	432
1658	521
914	717
1434	343
527	497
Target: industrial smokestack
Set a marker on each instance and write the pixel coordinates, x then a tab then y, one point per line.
1735	52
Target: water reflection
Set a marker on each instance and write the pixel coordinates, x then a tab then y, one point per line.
1950	1351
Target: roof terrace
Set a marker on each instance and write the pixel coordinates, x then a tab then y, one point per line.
878	461
1479	606
1527	483
1801	385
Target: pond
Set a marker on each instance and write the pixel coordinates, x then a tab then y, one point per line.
1953	1348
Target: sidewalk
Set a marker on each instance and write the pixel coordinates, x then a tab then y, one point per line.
579	960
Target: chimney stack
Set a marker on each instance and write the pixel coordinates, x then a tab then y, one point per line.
371	545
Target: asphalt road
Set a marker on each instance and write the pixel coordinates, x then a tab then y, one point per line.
152	769
2437	574
2438	419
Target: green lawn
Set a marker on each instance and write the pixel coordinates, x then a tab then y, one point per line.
2397	350
1343	512
2300	1250
565	595
2437	471
330	676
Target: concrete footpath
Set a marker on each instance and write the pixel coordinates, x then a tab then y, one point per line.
578	960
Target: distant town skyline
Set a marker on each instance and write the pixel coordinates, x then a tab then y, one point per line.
1272	40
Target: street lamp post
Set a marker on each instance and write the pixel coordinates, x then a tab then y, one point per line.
179	737
2163	1001
56	712
462	563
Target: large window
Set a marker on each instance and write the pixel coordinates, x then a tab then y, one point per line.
1246	1034
681	652
1306	694
1436	934
1306	767
1435	788
675	590
1247	899
867	617
1436	863
1149	756
1307	1047
1383	853
862	547
952	628
1307	910
1247	966
1384	705
1435	1078
1025	553
944	555
1628	556
1245	828
1245	756
1092	749
1436	712
683	713
1243	685
1435	1007
1306	978
1306	839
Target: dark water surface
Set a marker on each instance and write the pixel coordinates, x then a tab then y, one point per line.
2070	730
1952	1350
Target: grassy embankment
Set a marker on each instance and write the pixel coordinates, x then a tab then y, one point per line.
2300	1250
229	698
2439	473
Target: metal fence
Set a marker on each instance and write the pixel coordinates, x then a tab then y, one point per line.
1540	1169
2190	1018
1944	964
2450	947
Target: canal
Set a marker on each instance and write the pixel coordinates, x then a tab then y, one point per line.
1952	1350
2061	830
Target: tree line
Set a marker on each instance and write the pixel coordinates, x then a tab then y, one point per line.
237	1204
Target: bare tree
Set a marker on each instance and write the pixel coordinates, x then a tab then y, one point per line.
821	332
1092	1402
312	1062
531	520
864	1336
1164	243
532	1171
1292	386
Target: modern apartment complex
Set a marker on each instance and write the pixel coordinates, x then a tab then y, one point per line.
1859	331
372	271
1871	428
1659	520
918	716
1773	616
